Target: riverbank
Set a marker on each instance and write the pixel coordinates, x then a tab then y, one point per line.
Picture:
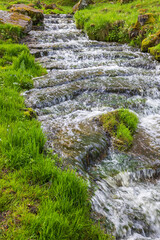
47	6
38	200
136	23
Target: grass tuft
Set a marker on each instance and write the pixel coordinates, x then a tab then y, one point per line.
121	125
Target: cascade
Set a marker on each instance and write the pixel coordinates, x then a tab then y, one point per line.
85	79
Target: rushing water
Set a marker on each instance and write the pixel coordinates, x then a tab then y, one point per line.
85	79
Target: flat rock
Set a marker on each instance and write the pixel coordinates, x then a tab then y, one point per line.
18	19
35	14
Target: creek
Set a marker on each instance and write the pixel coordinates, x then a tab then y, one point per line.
85	79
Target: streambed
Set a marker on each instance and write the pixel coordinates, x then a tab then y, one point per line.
85	79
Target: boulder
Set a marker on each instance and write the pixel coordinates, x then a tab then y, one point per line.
14	18
35	14
81	5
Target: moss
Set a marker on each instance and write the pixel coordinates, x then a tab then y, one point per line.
30	113
155	51
16	16
121	125
150	41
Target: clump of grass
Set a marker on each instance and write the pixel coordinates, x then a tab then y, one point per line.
26	62
121	125
10	32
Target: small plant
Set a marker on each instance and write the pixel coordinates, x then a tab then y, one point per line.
121	125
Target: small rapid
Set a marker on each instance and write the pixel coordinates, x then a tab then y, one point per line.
86	79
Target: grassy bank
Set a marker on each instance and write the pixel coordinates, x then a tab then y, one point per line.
112	21
63	6
38	200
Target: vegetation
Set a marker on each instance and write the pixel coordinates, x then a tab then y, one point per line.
63	6
121	125
10	33
38	200
112	21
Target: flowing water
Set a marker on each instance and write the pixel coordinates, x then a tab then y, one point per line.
85	79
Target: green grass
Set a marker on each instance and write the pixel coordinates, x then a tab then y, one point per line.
38	200
108	21
10	33
65	5
121	125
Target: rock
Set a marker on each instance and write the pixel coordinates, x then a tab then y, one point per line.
150	41
140	26
155	51
35	14
52	6
146	19
18	19
81	5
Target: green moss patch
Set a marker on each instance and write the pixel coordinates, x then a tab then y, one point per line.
155	51
121	125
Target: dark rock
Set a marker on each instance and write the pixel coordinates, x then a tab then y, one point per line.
146	19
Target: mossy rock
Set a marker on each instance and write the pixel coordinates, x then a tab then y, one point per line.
150	41
146	19
35	14
155	51
140	27
16	19
121	125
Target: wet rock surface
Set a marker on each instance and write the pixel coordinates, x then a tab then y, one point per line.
21	20
85	79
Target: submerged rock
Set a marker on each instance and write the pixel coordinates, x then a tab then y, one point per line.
18	19
35	14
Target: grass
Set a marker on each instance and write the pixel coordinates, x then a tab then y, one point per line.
121	125
10	32
64	5
106	21
38	200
